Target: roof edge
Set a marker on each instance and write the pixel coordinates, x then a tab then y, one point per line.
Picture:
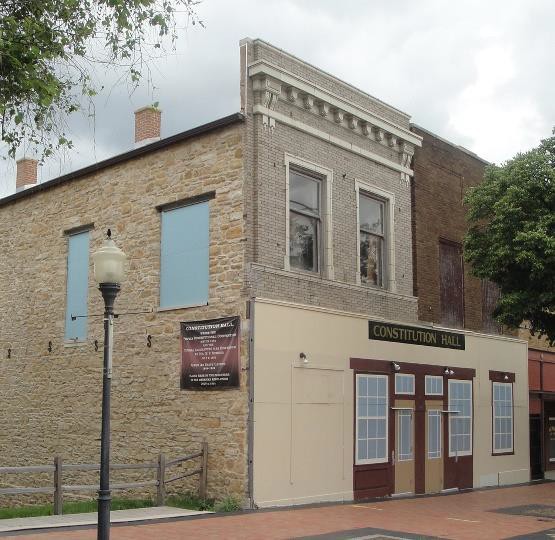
126	156
446	141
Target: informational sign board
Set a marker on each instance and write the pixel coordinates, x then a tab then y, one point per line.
415	336
210	354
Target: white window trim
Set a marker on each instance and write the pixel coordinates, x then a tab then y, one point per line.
398	376
436	412
389	282
464	452
511	448
326	249
373	460
428	377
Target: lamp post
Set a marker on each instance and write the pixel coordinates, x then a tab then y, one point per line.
108	272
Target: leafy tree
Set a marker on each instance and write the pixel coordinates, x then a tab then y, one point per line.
47	50
511	239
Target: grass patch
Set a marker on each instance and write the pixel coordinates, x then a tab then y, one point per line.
72	507
229	504
188	501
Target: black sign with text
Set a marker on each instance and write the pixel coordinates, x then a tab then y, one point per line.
414	335
210	354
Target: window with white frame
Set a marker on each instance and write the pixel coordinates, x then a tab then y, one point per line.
371	418
404	383
305	220
404	435
372	239
434	434
460	418
434	385
502	417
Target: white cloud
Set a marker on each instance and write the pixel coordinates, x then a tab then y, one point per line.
478	73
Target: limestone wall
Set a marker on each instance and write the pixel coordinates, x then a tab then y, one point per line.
50	401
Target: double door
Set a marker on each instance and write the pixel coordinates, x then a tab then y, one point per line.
418	454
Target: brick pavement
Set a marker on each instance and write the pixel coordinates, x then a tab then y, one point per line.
465	516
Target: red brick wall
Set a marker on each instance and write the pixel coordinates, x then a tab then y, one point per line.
442	174
26	172
147	123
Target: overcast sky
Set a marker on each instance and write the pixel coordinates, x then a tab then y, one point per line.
479	73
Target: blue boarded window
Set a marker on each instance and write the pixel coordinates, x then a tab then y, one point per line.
184	273
77	286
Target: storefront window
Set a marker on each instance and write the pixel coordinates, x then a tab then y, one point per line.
434	434
460	418
502	417
404	383
404	437
371	427
434	385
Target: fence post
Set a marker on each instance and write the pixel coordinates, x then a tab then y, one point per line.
58	489
161	478
203	471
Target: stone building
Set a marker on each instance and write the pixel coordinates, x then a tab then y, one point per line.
294	215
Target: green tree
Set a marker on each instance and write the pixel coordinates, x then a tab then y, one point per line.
511	238
47	50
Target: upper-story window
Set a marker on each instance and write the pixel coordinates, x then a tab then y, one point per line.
184	264
372	240
305	221
77	286
375	236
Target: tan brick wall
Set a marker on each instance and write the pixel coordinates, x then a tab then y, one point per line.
50	402
265	194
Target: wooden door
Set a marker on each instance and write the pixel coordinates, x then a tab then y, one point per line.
451	284
404	442
434	451
374	428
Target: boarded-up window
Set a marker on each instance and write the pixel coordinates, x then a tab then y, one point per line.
184	275
77	286
451	287
490	297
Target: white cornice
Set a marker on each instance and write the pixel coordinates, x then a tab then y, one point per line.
362	93
341	107
341	143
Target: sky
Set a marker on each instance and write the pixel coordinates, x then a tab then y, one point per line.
478	73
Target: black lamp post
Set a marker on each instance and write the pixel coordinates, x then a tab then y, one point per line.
108	272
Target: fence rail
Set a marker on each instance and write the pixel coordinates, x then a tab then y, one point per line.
160	482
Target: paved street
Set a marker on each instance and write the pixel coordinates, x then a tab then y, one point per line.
518	512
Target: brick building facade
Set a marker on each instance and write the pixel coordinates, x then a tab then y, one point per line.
443	173
308	223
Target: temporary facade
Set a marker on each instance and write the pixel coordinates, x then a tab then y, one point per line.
294	220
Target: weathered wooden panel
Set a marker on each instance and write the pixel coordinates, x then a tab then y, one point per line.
451	284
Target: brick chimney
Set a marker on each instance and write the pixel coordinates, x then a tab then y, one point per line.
26	176
147	125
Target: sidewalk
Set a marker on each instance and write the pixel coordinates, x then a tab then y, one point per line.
523	512
74	520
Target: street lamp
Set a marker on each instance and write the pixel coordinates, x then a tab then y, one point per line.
109	263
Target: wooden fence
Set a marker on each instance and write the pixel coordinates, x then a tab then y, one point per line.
161	466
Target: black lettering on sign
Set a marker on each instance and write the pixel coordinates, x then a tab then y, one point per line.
412	335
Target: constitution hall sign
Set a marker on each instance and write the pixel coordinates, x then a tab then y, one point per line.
414	335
